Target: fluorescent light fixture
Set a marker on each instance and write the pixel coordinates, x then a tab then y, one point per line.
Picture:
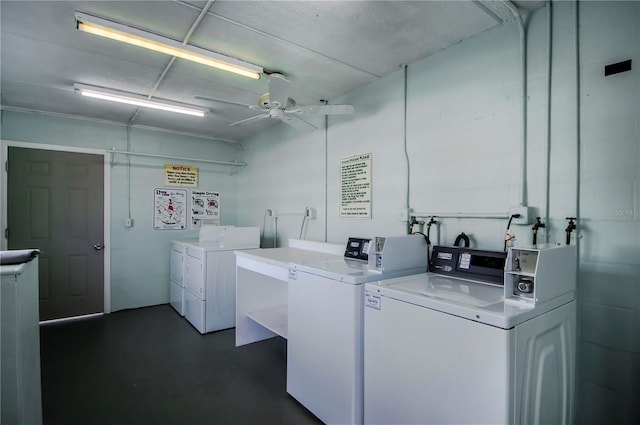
136	37
137	100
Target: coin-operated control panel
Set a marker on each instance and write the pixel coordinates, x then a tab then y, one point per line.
357	248
482	265
540	273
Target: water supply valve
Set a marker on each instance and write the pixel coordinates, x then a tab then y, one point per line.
537	225
570	228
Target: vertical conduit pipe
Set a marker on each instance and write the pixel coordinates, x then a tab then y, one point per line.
128	171
576	9
547	171
406	153
521	21
326	171
576	13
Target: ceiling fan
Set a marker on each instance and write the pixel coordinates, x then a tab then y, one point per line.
276	104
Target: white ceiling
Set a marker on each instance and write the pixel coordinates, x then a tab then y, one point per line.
325	48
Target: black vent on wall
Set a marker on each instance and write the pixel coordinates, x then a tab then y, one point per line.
616	68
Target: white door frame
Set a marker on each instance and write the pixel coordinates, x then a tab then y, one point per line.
4	155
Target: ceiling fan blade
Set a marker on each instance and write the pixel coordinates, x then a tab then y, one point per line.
278	91
250	119
298	123
325	109
228	102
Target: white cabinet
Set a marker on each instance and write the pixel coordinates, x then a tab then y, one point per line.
20	366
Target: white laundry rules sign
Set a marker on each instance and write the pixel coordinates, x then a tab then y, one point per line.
180	175
170	209
205	207
355	186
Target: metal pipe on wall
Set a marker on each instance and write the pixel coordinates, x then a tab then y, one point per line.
500	216
547	159
404	136
522	28
152	155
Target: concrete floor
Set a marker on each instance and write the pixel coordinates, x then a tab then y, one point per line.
150	366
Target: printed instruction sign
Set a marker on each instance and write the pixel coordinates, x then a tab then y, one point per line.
355	186
170	209
180	175
205	207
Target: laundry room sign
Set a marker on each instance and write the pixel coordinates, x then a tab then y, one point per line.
180	175
170	209
355	186
205	207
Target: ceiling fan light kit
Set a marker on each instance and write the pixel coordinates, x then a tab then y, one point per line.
125	34
137	100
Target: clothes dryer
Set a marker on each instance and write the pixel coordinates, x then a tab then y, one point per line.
210	278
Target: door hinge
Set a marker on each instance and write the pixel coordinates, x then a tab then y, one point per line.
6	166
6	233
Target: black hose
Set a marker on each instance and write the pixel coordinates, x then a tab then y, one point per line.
462	237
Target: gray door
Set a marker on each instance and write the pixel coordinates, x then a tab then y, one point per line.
55	203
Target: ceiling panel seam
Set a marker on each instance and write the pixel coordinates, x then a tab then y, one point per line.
281	40
194	26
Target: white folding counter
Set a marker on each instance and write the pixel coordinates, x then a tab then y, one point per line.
262	286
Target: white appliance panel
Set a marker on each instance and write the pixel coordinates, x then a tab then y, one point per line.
416	359
194	311
324	353
465	298
176	266
525	372
220	291
545	368
194	278
176	297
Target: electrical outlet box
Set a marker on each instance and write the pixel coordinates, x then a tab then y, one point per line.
404	213
311	213
128	222
526	214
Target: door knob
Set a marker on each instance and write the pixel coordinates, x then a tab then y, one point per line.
98	247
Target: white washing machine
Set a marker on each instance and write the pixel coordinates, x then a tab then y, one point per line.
325	319
440	348
210	278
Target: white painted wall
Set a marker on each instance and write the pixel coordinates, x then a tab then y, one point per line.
463	141
139	255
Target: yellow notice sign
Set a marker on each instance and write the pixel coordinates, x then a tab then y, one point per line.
180	175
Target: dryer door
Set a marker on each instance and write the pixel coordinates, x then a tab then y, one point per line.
194	276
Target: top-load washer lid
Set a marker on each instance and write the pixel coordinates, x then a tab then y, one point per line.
350	271
465	298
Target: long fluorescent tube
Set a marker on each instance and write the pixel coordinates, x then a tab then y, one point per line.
136	100
157	43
